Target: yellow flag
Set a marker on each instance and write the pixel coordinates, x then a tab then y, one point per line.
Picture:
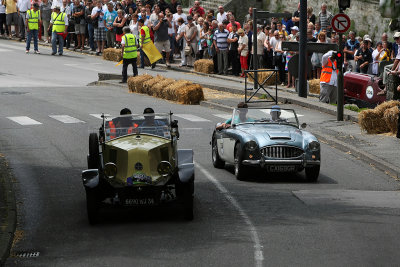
151	52
119	63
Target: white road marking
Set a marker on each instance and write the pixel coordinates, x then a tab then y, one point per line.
98	116
258	253
190	117
223	116
24	120
66	119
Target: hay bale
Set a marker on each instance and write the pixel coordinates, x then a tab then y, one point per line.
262	76
371	121
204	66
135	84
314	86
385	106
112	54
149	84
191	94
170	92
158	88
391	117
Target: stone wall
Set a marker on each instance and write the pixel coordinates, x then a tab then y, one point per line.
364	15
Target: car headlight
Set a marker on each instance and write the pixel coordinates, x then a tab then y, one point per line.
314	146
251	145
164	168
110	170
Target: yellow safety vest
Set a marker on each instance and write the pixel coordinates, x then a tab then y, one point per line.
146	36
58	21
33	20
130	48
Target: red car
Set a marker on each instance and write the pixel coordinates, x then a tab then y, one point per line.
363	89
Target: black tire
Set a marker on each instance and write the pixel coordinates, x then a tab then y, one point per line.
216	160
188	191
94	157
240	170
312	173
92	206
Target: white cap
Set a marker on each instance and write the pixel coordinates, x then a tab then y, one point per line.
396	35
295	28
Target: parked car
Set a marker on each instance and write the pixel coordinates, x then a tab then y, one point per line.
268	138
134	161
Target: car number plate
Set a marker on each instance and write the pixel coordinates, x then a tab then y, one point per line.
281	168
148	201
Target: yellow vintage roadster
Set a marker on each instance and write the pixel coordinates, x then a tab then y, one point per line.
134	161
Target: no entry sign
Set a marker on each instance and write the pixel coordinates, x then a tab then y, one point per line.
340	23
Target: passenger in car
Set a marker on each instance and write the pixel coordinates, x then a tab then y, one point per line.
150	125
242	109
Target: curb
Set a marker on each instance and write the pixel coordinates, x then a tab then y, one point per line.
11	212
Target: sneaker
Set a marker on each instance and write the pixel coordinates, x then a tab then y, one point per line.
53	54
27	51
60	54
37	52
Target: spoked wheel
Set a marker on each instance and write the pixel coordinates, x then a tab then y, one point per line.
93	158
239	168
312	173
92	205
217	161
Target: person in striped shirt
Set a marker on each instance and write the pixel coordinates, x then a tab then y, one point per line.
221	47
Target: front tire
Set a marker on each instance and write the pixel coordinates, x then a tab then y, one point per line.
94	155
217	161
240	169
312	173
92	206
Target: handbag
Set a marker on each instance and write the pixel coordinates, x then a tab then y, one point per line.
188	50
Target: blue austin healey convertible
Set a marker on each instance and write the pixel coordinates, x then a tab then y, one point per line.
270	138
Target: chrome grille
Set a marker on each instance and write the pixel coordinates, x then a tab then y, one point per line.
281	152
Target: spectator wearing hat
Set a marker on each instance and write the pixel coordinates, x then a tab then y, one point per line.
221	47
190	34
292	35
243	50
33	24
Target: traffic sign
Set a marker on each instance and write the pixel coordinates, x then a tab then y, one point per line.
340	23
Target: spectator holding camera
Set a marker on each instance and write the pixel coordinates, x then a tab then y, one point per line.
161	37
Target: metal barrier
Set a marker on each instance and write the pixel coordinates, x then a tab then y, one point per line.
254	74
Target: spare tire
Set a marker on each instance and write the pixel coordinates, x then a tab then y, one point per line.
94	157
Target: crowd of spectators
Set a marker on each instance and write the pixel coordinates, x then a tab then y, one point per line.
200	34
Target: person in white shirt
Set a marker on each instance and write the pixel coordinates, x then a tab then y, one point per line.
179	14
100	31
243	50
23	6
221	16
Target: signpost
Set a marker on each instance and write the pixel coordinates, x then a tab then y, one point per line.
340	23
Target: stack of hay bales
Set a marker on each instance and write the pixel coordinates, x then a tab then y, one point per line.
381	119
182	91
135	84
112	54
262	76
158	88
314	86
204	66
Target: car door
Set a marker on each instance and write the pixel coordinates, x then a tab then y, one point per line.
229	141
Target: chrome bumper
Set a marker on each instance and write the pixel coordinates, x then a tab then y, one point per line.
266	162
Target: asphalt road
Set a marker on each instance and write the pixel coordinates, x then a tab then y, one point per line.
349	218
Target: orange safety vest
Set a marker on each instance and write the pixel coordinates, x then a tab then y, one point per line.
113	129
326	72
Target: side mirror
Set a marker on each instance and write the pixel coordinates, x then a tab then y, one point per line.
303	125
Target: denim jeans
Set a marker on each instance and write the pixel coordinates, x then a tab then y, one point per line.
91	36
54	38
33	33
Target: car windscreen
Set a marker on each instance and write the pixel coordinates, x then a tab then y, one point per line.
264	115
153	124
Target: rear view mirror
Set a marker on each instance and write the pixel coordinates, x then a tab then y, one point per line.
303	125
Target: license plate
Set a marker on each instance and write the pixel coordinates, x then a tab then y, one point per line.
149	201
280	168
